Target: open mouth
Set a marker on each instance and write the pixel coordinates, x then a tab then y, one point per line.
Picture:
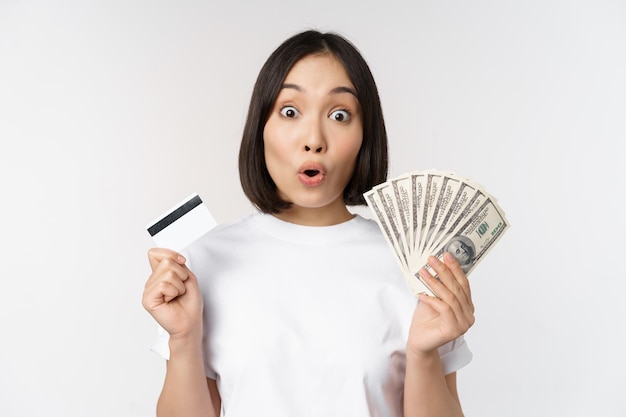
311	174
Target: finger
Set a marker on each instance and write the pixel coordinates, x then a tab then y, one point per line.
157	295
193	291
171	291
461	278
451	292
167	291
438	305
450	327
444	275
451	273
460	275
453	277
444	294
191	283
170	278
165	265
156	255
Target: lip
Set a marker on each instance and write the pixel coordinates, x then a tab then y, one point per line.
311	181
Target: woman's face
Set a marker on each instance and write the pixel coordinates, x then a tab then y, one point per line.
313	135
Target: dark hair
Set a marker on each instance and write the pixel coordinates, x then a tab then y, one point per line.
372	160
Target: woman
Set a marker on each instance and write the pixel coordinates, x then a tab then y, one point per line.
301	309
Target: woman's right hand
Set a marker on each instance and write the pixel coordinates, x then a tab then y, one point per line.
172	295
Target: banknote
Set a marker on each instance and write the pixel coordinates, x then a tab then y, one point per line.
464	194
448	187
401	194
430	212
473	239
418	180
385	223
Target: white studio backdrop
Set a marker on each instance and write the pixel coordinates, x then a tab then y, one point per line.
111	112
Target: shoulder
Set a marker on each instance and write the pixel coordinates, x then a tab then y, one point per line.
370	233
368	226
220	239
226	230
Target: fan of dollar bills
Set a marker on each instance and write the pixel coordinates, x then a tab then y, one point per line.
431	212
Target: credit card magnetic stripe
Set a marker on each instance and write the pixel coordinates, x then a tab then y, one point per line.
175	215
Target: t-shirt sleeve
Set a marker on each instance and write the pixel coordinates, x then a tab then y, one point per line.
455	355
160	344
208	371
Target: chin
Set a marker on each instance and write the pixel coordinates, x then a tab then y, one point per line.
314	204
314	198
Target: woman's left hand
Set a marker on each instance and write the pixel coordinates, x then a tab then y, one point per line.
438	320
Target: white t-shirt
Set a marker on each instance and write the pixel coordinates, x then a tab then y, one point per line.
306	321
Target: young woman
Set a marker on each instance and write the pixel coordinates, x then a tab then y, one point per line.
300	309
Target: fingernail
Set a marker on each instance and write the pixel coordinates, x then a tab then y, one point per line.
181	259
448	257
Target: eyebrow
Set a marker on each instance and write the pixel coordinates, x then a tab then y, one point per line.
336	90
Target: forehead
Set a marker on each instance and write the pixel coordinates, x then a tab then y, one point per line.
319	70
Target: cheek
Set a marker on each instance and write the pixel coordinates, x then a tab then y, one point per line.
349	163
350	149
276	137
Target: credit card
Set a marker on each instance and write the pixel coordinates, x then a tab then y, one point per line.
182	224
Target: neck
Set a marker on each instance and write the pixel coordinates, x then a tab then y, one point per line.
323	216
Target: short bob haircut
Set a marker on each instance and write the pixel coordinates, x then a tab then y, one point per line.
372	160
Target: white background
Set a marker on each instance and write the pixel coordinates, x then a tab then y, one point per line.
113	111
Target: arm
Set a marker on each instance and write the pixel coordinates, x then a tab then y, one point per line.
427	392
172	296
186	390
436	321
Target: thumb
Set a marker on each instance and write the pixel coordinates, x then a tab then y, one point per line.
192	288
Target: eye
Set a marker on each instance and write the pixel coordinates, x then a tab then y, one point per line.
340	115
289	111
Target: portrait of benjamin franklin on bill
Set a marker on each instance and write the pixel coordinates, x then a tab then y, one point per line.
463	249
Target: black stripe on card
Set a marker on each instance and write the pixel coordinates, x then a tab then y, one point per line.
175	215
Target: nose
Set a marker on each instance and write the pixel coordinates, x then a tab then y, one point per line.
315	140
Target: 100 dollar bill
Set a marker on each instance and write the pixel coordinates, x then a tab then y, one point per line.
473	239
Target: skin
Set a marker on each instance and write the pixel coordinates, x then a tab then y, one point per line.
172	296
316	122
436	321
